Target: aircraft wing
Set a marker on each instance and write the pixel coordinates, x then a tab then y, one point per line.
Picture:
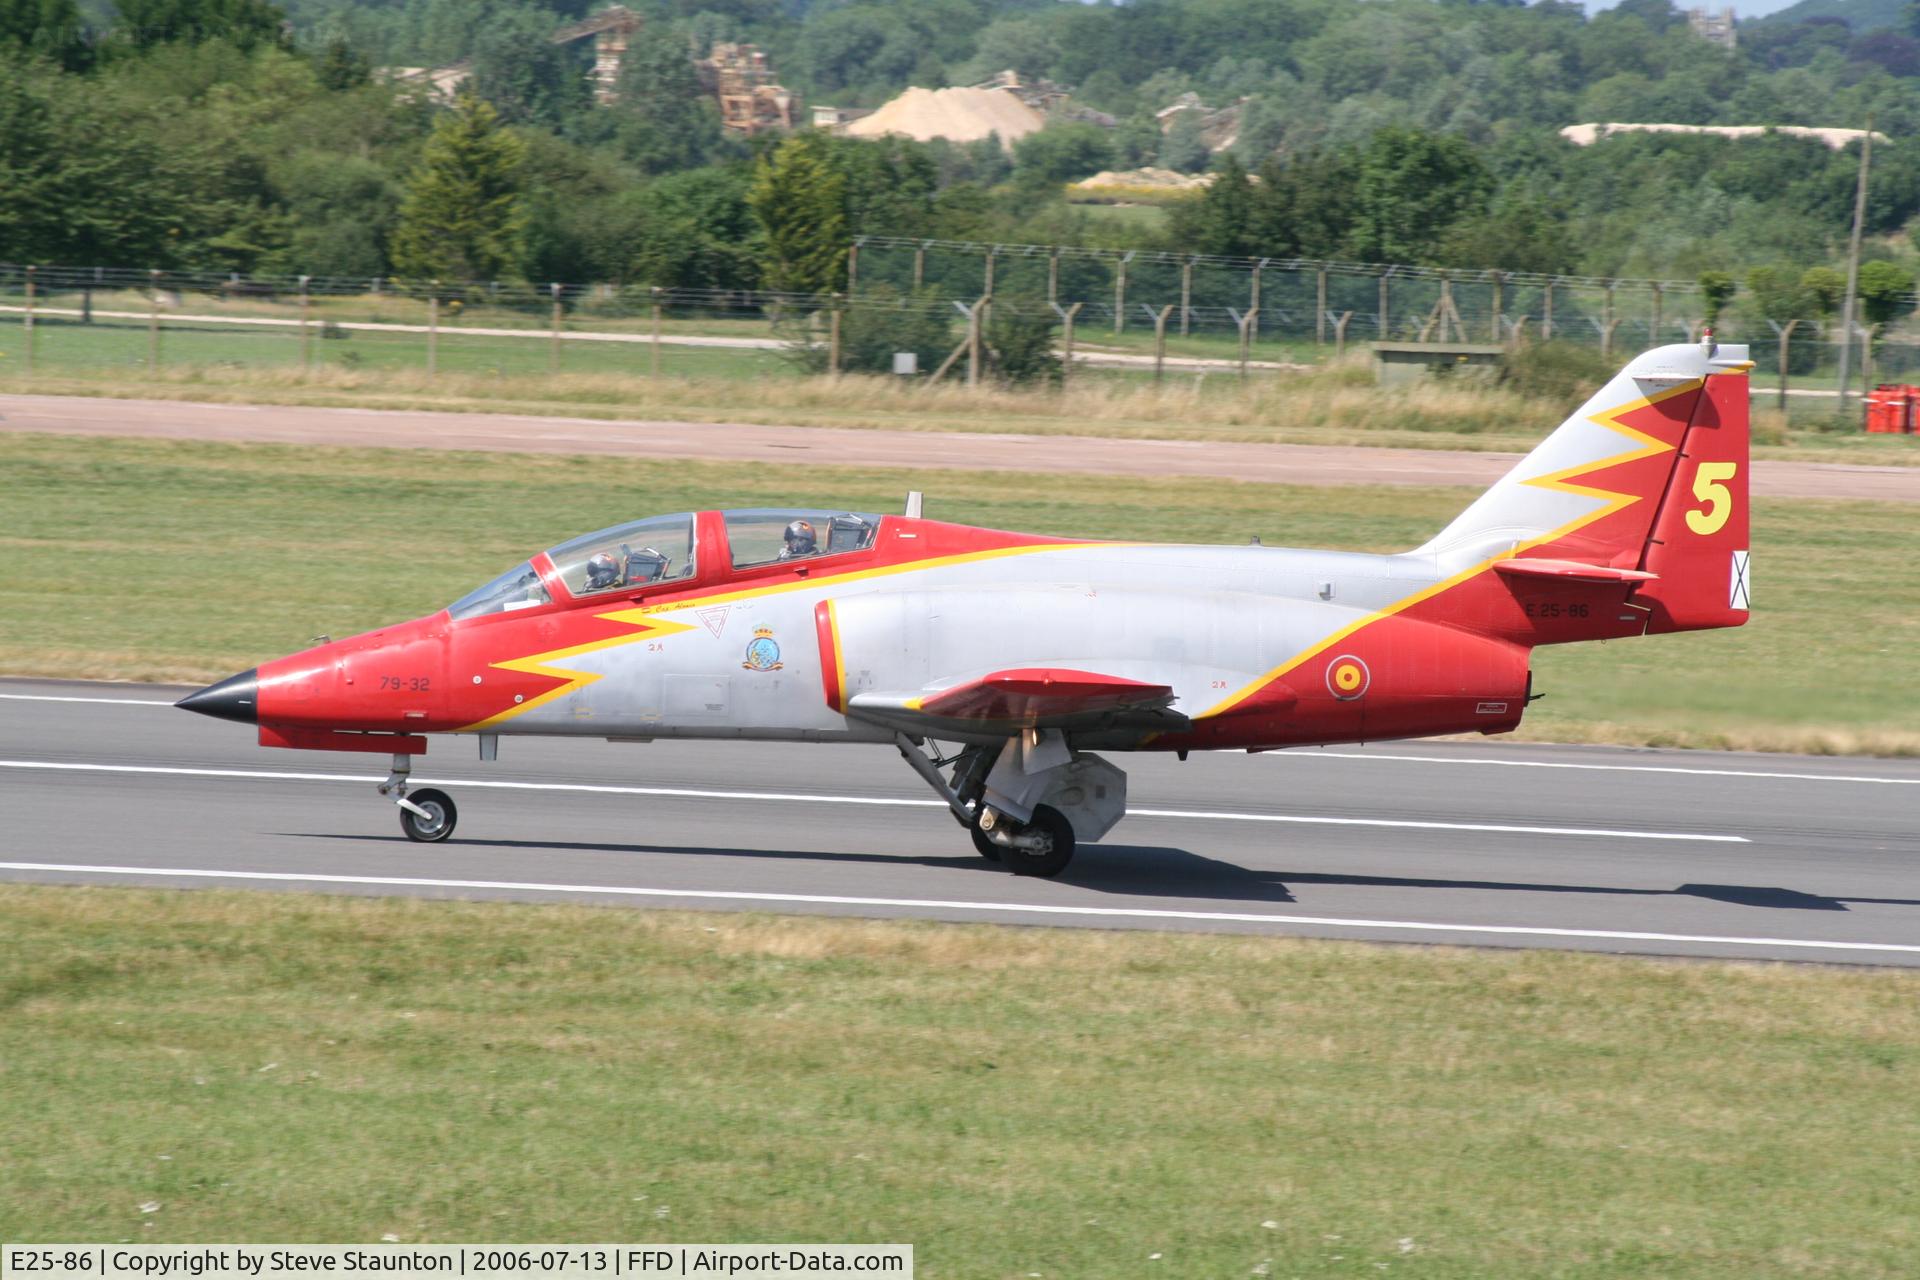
1028	698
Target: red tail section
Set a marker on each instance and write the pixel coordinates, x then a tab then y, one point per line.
1698	546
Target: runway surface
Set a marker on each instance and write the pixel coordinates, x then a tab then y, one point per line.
850	447
1503	844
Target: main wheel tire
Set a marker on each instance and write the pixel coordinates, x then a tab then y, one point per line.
437	825
984	845
1054	857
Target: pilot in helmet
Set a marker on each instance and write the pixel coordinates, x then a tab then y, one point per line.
603	571
799	541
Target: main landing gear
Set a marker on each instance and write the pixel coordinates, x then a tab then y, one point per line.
426	815
1027	802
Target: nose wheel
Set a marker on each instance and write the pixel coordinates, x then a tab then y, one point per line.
427	815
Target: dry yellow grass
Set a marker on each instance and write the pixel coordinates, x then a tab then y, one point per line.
1334	404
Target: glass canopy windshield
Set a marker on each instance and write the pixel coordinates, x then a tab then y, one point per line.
628	555
517	588
764	535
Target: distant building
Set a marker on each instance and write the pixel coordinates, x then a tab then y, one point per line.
1715	26
741	78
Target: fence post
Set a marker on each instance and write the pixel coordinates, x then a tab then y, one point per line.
1606	342
992	253
973	341
1786	336
919	267
153	319
29	319
1499	278
1340	334
655	366
86	299
1246	323
306	326
1656	315
1159	339
1253	298
553	342
1186	294
1386	319
853	266
1320	306
433	328
833	337
1066	320
1546	318
1053	278
1120	292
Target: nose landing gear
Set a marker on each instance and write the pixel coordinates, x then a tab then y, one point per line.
428	815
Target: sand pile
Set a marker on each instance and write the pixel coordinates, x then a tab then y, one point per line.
1585	135
1161	179
958	115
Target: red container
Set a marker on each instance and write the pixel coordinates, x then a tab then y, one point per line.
1893	409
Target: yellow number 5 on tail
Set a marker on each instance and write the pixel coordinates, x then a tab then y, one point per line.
1709	485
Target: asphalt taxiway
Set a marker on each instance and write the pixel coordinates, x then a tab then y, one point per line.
1502	844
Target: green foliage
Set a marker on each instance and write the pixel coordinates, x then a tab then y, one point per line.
1224	219
80	184
1413	187
1182	148
1778	294
242	23
1716	291
1824	288
1560	371
886	321
800	199
462	217
1886	292
51	28
1020	335
663	120
525	76
1058	154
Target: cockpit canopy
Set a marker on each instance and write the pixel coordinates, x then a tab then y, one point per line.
636	554
664	549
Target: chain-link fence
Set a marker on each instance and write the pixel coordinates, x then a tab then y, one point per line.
921	308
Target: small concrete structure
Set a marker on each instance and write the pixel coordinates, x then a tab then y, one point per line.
1401	362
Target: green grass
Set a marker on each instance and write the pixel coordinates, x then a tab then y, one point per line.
1013	1102
188	561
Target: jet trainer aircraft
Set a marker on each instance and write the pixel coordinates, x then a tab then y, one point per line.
1028	653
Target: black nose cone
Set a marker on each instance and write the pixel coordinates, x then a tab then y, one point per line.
235	698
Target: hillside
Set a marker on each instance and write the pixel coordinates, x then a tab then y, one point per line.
1861	15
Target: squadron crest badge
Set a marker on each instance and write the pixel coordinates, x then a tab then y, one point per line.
763	651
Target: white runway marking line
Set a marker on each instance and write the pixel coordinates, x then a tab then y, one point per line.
47	697
692	793
944	904
1312	753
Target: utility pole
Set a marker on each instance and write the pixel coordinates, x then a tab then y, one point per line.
1853	265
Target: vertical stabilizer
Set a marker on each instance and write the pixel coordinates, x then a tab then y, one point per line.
1650	474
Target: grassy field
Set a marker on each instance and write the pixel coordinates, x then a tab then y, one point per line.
188	561
215	1066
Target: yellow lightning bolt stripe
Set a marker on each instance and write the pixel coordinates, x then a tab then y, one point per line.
647	617
1558	481
543	664
839	660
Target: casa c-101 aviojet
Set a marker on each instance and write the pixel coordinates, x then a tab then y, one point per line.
1028	654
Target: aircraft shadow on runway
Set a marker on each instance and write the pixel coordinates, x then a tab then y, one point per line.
1158	871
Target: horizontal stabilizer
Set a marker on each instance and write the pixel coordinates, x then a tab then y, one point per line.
1570	571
